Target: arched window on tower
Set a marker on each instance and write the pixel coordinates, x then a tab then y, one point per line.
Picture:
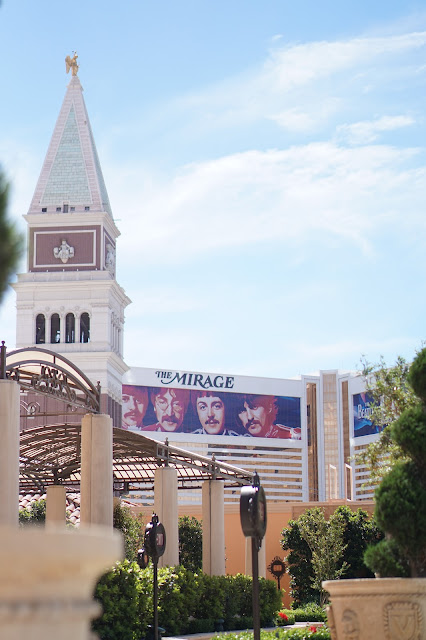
84	327
55	328
70	327
40	329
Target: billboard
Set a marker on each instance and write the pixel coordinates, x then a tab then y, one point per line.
207	410
363	425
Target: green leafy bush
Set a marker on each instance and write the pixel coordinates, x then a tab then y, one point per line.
401	495
285	617
132	529
34	514
306	633
190	543
124	614
311	612
187	602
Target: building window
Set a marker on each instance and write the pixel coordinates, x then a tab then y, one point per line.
84	327
70	328
72	208
40	329
65	208
58	208
44	209
87	208
55	328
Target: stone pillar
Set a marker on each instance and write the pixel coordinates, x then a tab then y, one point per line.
56	499
213	528
262	559
166	508
96	483
9	452
48	577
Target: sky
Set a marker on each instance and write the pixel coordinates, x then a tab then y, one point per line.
265	163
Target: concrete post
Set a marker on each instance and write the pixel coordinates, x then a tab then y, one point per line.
96	483
9	452
56	499
47	580
166	508
262	559
213	527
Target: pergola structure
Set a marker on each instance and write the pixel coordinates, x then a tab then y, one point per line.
94	458
51	455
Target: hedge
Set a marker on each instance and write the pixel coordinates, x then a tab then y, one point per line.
186	601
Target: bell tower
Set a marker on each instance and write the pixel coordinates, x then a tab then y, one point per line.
69	300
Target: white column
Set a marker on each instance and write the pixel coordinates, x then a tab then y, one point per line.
9	452
213	528
166	508
56	499
261	559
96	483
47	580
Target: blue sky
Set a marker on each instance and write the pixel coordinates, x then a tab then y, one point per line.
265	163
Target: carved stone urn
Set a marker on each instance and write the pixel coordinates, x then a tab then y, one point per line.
377	609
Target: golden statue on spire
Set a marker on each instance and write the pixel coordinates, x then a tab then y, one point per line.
71	63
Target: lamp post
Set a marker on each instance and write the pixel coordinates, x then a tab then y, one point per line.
253	523
154	546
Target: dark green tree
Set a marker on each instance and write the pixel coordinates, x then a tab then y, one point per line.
11	242
131	527
358	531
190	543
401	495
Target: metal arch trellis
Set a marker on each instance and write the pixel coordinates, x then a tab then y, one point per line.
50	374
51	454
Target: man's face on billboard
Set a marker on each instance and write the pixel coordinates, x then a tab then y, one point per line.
211	413
169	409
257	416
134	406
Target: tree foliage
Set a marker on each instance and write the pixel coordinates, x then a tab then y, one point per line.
401	495
34	514
132	528
391	393
11	242
325	541
190	543
307	560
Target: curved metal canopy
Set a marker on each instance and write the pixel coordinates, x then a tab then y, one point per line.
50	374
52	455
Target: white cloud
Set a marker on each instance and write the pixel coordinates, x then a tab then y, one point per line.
295	80
368	131
246	198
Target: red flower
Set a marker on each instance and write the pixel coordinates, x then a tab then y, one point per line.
313	629
283	616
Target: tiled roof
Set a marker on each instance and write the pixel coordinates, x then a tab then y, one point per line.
72	505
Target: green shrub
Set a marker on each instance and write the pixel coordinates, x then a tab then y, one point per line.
269	601
187	602
320	633
311	612
285	617
212	592
124	611
203	625
177	598
190	543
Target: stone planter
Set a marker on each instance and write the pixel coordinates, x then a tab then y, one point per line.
47	580
377	609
